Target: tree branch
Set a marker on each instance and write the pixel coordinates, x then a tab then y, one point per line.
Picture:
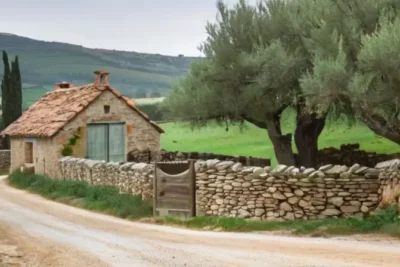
259	124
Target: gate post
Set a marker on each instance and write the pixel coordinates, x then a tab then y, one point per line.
192	185
155	190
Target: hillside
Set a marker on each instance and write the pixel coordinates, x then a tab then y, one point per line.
45	63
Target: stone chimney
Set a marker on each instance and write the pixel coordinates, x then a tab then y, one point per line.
101	79
63	85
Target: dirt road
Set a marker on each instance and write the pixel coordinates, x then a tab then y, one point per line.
38	232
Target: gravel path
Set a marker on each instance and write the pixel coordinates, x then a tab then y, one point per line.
51	234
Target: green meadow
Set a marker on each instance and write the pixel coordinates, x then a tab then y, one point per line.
252	141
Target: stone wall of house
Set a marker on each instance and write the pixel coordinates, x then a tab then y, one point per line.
140	134
5	159
17	147
227	188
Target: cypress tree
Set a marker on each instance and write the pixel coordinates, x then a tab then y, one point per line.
11	89
16	91
5	91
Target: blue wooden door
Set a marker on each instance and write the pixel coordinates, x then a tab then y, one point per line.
106	142
116	142
97	137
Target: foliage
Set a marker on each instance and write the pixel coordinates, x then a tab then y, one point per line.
386	221
11	89
68	149
45	63
105	199
356	48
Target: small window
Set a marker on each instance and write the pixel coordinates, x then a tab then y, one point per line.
29	152
106	109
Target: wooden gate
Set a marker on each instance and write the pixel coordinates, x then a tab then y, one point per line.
175	189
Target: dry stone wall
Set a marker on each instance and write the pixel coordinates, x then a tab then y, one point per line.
285	193
227	188
179	156
130	178
349	154
389	179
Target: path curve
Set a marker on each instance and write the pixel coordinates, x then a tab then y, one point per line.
101	240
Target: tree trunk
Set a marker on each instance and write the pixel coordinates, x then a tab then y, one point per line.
282	143
308	129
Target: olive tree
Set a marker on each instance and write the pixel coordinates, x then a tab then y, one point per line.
254	58
356	58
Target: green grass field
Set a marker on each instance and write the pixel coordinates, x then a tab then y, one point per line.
253	141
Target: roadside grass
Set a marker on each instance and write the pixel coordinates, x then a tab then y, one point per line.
108	200
385	221
4	171
105	199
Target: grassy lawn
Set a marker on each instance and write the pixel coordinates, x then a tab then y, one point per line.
107	199
253	141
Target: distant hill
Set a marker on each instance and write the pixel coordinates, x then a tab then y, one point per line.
45	63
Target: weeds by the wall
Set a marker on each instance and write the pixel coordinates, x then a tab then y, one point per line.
385	221
104	199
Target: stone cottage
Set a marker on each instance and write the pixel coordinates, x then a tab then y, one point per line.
92	121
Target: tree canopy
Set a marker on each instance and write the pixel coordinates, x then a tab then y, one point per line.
314	56
356	59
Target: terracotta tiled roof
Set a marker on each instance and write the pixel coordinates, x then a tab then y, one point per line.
55	109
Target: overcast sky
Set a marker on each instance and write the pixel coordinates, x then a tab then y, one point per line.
169	27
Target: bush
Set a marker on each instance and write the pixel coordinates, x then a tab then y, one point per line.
105	199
